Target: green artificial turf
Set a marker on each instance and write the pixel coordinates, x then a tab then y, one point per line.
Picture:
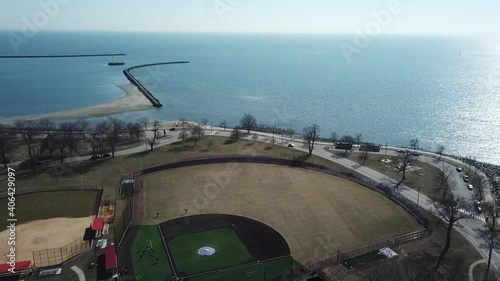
229	251
127	189
148	267
363	259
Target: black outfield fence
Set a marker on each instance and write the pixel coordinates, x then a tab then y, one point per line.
123	222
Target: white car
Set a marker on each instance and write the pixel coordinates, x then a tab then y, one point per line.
470	187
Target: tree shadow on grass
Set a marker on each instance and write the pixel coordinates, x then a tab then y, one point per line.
138	154
181	148
230	141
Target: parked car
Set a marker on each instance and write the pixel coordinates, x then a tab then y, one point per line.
106	155
416	153
470	187
477	203
401	151
95	157
291	145
479	209
466	178
171	129
459	169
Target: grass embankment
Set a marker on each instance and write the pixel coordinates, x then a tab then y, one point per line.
422	176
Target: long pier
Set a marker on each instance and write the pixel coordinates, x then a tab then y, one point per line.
144	90
62	56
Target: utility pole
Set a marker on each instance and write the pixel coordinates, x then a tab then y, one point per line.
385	149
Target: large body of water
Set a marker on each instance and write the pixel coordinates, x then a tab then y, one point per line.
441	90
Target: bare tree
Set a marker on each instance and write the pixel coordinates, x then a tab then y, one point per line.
7	135
183	122
444	181
440	150
102	128
255	137
204	121
451	209
116	127
334	138
490	235
311	134
223	124
47	127
129	128
153	140
291	133
28	130
98	144
402	162
347	138
197	133
248	122
144	121
382	271
210	143
183	135
359	138
84	126
136	130
236	133
364	156
414	143
71	136
417	269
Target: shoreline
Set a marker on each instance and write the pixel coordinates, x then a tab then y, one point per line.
134	100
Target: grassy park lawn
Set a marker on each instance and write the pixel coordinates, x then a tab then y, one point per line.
46	205
109	172
423	178
315	212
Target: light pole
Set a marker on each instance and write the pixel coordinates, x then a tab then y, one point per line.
385	149
418	195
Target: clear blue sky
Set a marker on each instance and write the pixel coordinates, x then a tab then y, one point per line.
287	16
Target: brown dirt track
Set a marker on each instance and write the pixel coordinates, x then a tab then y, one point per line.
317	213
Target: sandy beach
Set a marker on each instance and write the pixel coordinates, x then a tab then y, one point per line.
133	101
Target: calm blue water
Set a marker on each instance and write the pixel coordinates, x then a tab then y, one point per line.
396	89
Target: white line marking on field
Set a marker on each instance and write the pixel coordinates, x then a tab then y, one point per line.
79	272
151	244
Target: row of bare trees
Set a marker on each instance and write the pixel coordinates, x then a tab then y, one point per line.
45	139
